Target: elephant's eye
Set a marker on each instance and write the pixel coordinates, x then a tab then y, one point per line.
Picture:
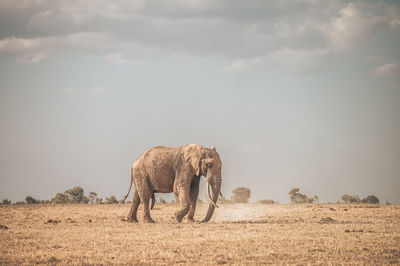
209	165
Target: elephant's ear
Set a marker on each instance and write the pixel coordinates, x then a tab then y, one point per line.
192	154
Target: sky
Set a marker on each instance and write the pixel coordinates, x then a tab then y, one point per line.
300	93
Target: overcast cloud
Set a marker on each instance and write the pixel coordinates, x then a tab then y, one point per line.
296	35
300	93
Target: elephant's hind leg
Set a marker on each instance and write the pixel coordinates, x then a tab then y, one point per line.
132	216
146	212
145	194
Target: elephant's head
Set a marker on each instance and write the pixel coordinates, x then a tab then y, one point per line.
206	162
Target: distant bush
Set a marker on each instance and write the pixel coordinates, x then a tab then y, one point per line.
351	198
266	201
76	195
297	197
92	197
31	200
73	195
60	198
6	202
371	199
162	201
111	200
20	202
241	195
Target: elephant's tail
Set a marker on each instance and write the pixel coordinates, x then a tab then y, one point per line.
130	186
153	201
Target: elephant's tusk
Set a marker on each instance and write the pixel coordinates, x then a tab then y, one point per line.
208	191
209	196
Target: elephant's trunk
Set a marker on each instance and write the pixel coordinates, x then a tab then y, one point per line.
216	188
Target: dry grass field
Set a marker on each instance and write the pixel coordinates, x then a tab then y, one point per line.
237	234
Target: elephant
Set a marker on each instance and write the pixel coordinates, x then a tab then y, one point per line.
175	169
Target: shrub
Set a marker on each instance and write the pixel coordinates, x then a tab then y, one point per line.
31	200
92	197
76	195
297	197
351	198
111	200
241	195
371	199
60	198
6	202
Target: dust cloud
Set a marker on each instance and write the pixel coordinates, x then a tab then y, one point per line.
241	212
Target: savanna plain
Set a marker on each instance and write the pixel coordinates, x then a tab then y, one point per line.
237	234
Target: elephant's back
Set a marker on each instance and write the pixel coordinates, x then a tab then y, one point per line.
155	156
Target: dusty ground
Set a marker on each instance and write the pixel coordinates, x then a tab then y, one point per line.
237	234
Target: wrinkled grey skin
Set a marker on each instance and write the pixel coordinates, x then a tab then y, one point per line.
164	170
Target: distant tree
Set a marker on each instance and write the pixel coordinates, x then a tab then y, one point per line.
241	195
60	198
297	197
6	202
76	195
293	193
351	198
92	197
44	201
111	200
316	198
371	199
31	200
99	200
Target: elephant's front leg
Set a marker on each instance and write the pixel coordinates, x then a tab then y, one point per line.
194	194
184	199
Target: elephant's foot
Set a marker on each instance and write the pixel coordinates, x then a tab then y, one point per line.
148	220
189	220
178	217
131	220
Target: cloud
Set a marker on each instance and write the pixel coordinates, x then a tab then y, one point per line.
295	61
34	50
364	58
256	34
351	27
92	91
31	59
387	70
